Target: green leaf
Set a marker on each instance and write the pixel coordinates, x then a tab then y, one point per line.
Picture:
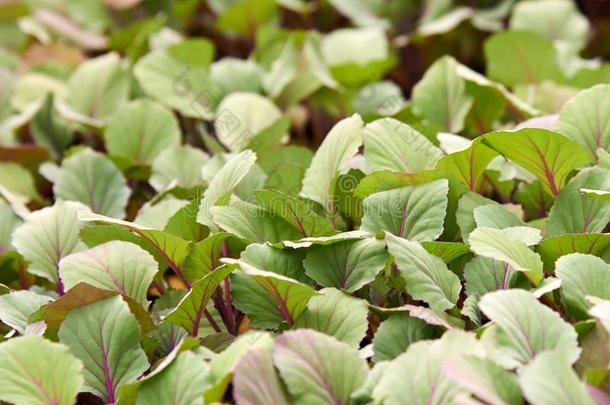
329	377
49	130
141	130
448	251
27	380
599	194
396	333
168	249
84	294
553	248
550	379
19	181
561	22
386	180
392	145
582	276
426	276
484	379
105	331
547	155
9	223
336	314
116	266
441	98
412	212
204	257
232	75
423	362
182	382
574	212
297	212
509	245
17	306
356	55
180	163
347	265
255	380
244	17
47	236
468	165
223	365
584	119
280	299
170	77
527	327
91	178
241	117
224	183
111	90
190	311
253	223
340	144
496	216
483	275
520	57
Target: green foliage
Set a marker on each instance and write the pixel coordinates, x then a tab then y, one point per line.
304	202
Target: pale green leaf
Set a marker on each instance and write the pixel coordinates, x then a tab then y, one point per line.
241	117
178	83
496	216
17	306
336	314
117	266
422	363
106	338
412	212
223	365
527	328
509	247
426	276
484	379
341	143
441	98
393	145
585	118
581	276
181	164
25	379
329	377
255	380
99	87
253	223
91	178
182	382
557	20
224	183
550	380
141	130
47	236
